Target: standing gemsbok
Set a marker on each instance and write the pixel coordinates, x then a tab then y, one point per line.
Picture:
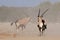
21	23
41	22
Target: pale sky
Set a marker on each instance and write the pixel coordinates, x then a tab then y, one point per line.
24	3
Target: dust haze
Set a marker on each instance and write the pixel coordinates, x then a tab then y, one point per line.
11	14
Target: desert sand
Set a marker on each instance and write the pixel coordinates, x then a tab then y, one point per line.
8	32
30	38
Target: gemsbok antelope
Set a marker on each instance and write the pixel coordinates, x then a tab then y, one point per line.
21	23
41	22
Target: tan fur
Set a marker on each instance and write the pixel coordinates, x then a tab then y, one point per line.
40	21
22	22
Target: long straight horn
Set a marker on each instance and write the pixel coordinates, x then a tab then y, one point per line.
44	12
39	13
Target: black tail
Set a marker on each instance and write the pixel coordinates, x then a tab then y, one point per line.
11	23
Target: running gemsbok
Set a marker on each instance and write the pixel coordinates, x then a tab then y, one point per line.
21	23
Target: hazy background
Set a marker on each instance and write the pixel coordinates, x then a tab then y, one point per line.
12	10
12	13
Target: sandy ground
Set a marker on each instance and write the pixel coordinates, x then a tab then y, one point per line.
31	32
10	37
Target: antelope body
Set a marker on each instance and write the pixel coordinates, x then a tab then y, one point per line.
41	22
21	23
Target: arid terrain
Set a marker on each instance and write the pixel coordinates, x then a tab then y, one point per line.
8	32
31	32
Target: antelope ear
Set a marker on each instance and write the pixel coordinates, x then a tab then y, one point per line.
41	16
